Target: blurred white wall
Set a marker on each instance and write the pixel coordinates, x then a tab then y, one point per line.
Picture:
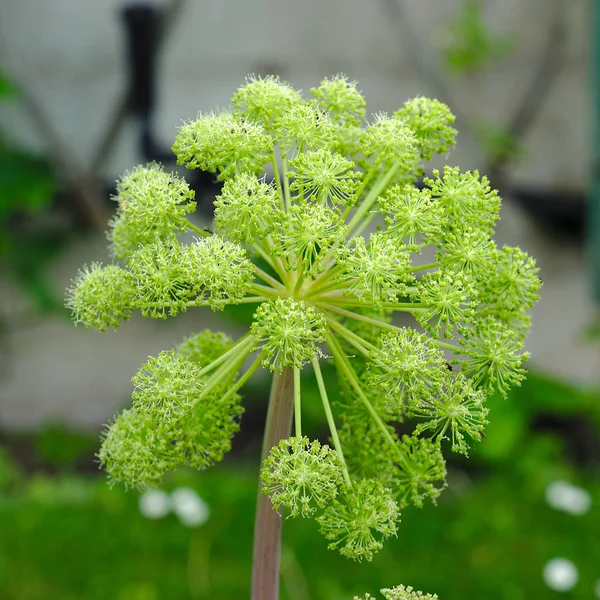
72	55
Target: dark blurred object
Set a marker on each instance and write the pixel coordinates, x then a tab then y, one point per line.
144	26
557	212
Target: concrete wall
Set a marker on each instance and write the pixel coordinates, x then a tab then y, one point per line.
71	52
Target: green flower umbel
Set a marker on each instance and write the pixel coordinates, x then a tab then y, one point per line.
305	182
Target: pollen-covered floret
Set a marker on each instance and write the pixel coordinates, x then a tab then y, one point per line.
376	271
421	468
101	296
455	412
247	211
496	357
170	424
265	100
220	268
289	332
359	520
152	207
324	176
406	365
311	230
135	452
303	127
163	284
223	144
448	299
431	122
341	99
165	382
514	285
406	593
411	214
391	144
301	475
466	198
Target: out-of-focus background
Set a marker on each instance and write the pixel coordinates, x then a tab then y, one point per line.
88	90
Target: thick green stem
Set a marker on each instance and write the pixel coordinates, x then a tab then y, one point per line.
267	528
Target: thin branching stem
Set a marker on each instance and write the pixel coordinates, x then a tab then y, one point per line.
330	420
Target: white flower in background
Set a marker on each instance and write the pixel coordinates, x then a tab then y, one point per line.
155	504
561	495
597	589
560	574
189	507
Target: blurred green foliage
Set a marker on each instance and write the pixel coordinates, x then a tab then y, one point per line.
471	44
27	188
70	537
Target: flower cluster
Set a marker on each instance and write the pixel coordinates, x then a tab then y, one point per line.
402	593
299	248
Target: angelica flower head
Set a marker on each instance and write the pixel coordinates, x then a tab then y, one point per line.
303	179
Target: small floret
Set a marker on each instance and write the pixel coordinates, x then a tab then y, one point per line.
411	214
301	475
101	296
421	468
514	285
391	144
223	144
406	365
289	332
496	357
246	211
431	122
152	207
449	299
341	99
466	198
359	520
456	411
265	99
205	347
378	270
220	268
311	230
324	176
